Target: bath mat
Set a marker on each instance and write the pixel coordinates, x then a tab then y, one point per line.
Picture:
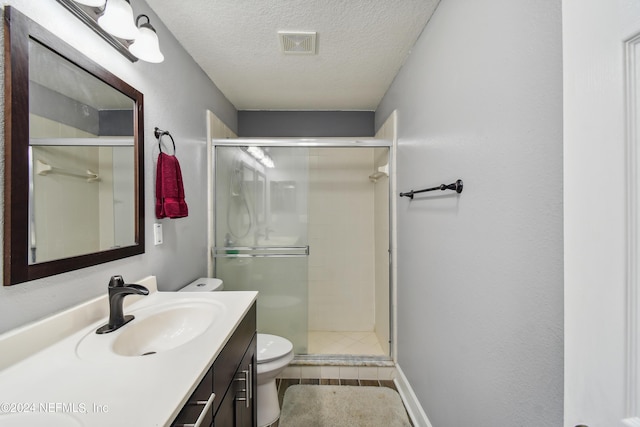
342	406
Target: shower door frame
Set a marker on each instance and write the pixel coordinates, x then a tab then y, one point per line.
318	143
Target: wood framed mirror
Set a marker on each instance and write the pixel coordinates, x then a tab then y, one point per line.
74	159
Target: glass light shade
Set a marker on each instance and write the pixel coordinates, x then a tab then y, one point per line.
146	45
91	3
117	20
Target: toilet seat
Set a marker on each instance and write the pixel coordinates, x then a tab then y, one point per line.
271	347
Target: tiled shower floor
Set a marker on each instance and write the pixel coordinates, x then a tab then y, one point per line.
353	343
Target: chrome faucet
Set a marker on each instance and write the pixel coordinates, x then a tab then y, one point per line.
117	291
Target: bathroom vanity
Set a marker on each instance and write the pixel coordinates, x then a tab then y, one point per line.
226	395
185	359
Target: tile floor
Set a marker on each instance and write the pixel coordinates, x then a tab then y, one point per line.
354	343
283	384
343	372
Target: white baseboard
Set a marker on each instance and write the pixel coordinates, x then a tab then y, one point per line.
414	409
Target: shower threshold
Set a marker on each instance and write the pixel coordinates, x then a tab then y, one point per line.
341	360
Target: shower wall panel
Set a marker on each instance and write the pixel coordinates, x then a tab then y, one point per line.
381	251
341	237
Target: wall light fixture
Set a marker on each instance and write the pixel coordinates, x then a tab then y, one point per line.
146	45
113	20
117	20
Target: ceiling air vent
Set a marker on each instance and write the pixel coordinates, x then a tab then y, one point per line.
297	43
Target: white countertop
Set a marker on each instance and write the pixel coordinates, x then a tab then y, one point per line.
61	386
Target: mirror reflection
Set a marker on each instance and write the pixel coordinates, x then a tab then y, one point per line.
74	158
81	159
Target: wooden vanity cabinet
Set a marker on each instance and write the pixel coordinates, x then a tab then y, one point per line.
232	379
238	408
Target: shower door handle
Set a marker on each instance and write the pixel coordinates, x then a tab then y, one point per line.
260	251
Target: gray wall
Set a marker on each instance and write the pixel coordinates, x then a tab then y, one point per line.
305	123
116	122
176	95
480	276
54	106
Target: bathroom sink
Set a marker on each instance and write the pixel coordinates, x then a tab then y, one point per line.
154	330
164	330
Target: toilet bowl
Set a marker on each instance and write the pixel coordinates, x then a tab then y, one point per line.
273	354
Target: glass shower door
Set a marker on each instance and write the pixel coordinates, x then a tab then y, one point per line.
261	237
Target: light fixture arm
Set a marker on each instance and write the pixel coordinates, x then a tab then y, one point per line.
144	24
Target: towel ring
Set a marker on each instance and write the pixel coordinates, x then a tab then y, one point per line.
159	134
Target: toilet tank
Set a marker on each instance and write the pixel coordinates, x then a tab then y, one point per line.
203	284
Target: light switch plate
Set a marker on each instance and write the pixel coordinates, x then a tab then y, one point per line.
157	234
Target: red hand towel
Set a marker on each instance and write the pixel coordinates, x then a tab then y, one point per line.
169	190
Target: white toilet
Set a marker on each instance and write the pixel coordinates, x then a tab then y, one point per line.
274	353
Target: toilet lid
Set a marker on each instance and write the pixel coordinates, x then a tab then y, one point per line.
271	347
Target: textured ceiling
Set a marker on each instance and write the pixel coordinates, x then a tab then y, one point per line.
361	46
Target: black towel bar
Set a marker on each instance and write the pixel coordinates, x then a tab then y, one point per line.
457	186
